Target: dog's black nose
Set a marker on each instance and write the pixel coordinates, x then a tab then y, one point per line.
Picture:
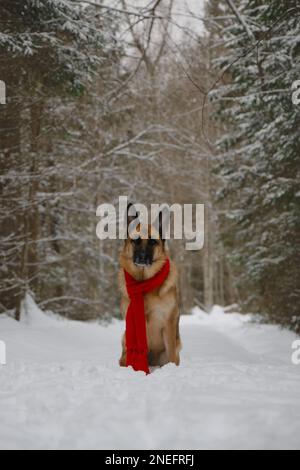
142	256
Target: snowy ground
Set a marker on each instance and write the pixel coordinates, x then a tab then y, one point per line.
62	387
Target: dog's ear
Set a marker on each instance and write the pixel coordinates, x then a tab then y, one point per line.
161	223
162	226
164	222
131	215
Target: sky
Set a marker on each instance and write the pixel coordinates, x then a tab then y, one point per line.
182	11
183	7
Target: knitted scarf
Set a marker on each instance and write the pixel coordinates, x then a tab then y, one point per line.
136	337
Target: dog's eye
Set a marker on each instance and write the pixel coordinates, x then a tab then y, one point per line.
152	241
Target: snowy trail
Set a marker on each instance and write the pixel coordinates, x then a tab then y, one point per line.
62	388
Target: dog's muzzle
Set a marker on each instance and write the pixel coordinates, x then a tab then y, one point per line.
142	259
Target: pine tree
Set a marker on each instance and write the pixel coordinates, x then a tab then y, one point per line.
259	163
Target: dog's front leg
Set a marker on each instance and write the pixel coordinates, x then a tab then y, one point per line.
122	360
124	307
169	335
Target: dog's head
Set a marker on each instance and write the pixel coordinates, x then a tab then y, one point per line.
143	250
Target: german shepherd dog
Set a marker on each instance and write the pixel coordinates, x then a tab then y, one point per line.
143	258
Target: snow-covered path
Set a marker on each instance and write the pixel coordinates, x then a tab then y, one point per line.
62	388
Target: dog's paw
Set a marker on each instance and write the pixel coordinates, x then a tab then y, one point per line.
122	361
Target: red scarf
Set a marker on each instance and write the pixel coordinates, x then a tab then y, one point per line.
136	336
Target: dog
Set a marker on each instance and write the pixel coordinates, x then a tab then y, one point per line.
143	258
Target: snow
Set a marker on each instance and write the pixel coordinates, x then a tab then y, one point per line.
62	387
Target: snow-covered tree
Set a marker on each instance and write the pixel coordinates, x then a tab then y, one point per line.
259	162
53	50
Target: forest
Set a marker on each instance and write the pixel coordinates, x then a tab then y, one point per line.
158	101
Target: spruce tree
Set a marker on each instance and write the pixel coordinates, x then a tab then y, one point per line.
260	155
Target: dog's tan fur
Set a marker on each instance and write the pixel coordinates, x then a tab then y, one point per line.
161	305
